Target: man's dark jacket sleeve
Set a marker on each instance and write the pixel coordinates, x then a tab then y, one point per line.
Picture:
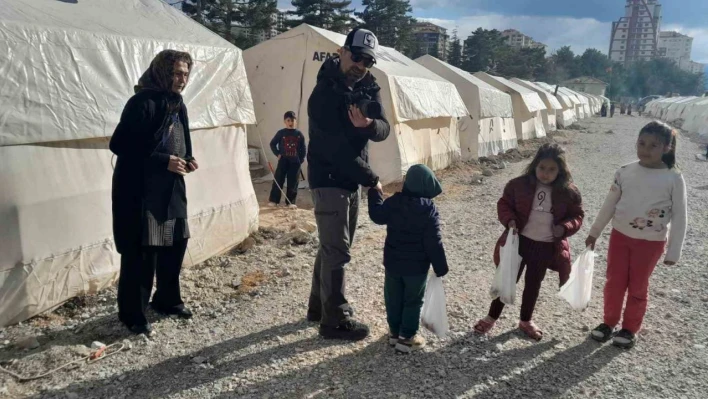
339	153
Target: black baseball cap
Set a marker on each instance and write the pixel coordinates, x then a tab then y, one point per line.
289	115
362	41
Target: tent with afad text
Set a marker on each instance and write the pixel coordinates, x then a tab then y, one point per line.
421	107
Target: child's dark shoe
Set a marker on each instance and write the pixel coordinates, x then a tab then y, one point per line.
392	340
624	339
408	345
602	333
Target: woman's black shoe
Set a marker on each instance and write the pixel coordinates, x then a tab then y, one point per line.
138	329
180	311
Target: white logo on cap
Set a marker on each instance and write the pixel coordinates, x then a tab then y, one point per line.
370	40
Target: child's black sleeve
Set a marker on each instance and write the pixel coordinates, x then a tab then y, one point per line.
378	210
432	241
275	143
302	149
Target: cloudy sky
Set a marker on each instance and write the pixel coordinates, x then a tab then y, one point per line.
580	24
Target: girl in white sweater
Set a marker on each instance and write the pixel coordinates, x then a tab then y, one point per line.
646	203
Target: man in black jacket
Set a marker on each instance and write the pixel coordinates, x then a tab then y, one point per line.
150	228
340	128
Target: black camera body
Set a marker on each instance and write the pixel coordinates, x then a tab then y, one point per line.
364	98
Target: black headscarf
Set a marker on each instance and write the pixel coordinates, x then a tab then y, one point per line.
158	76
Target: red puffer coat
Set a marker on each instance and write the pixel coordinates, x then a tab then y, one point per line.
516	204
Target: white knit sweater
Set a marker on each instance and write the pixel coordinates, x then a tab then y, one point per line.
646	204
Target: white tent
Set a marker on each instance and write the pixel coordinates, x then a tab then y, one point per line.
589	102
567	115
553	106
582	108
421	107
664	107
528	106
68	70
489	128
675	111
696	117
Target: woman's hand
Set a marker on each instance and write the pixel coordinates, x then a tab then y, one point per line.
193	165
590	242
177	165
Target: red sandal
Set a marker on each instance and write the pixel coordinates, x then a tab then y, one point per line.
531	330
484	325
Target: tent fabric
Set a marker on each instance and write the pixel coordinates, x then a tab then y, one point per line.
549	115
486	101
567	115
282	72
55	205
489	129
528	106
675	111
71	65
696	116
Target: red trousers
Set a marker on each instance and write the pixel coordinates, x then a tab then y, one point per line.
630	263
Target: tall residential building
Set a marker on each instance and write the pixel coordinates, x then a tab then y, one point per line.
678	47
516	39
636	35
675	46
278	19
432	39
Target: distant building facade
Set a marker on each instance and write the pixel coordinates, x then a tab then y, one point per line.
678	47
518	40
432	39
278	19
635	36
586	84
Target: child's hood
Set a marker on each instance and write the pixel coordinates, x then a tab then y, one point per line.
421	182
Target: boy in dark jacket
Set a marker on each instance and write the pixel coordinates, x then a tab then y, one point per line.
290	148
413	242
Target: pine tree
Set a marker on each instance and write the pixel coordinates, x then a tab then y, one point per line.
390	21
223	16
455	58
327	14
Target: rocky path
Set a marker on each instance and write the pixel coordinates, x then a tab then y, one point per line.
249	339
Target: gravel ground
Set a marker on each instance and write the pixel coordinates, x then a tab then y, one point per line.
249	339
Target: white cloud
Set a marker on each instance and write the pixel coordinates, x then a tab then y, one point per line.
556	32
700	40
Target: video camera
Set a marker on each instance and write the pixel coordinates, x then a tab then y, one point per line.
364	99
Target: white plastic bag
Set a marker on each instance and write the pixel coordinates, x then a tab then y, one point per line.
504	283
434	313
578	288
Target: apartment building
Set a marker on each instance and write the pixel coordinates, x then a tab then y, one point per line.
635	36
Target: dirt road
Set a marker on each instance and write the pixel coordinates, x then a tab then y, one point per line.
249	339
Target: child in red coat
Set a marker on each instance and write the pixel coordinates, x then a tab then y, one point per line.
545	208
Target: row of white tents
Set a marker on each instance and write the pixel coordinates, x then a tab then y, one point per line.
687	113
71	66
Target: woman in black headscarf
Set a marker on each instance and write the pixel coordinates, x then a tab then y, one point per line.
154	150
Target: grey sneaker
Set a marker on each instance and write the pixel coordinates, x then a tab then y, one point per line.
408	345
624	339
602	333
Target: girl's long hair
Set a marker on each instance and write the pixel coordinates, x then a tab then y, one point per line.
557	154
667	135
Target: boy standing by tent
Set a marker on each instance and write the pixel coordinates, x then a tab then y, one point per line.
290	148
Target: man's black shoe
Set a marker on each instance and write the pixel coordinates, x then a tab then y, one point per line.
138	329
348	330
180	311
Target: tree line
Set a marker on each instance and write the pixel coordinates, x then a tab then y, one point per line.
483	50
